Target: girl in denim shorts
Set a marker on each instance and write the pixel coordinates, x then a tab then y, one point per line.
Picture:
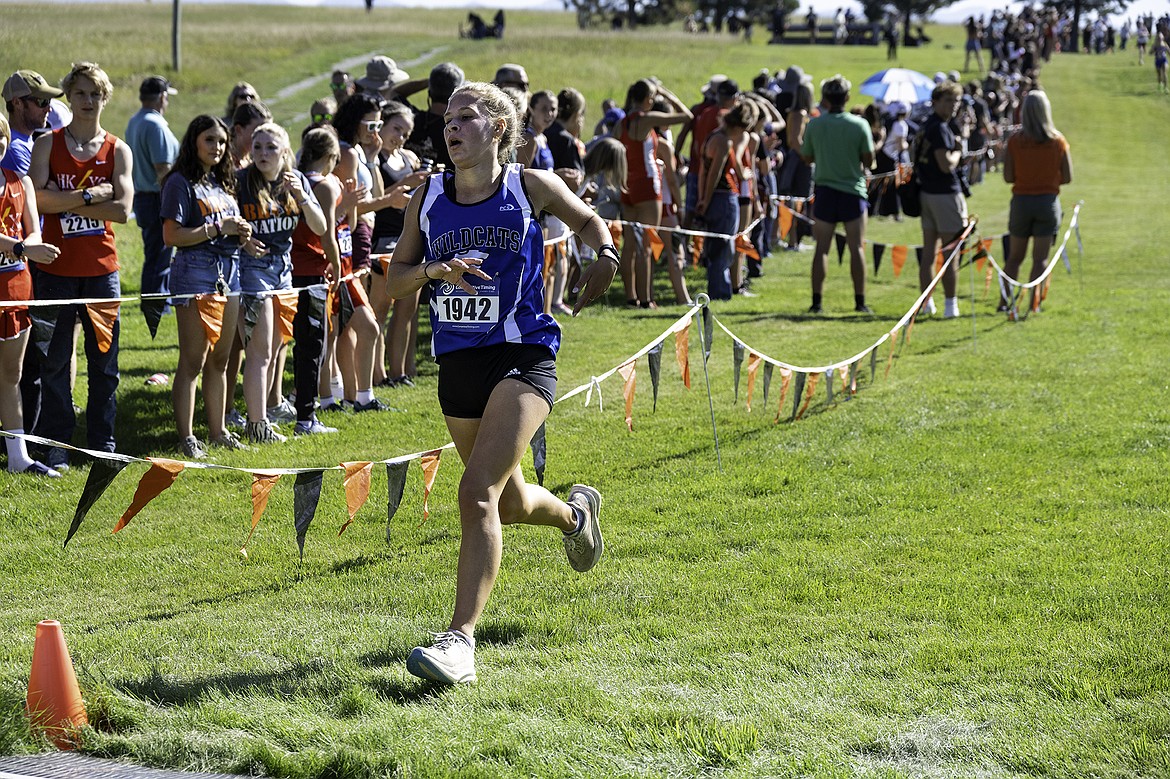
201	219
273	198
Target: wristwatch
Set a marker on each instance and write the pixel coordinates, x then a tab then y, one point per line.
18	249
87	196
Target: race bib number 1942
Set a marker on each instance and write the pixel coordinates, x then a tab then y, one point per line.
469	310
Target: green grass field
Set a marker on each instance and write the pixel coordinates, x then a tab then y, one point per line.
960	572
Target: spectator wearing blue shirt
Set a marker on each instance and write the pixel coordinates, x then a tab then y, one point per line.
27	99
155	148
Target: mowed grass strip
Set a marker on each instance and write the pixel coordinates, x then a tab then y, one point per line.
958	572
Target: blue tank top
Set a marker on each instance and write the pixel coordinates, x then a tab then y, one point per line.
502	231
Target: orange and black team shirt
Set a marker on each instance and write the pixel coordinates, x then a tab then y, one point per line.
87	244
195	204
15	282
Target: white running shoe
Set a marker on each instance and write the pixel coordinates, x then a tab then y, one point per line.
229	440
282	414
235	419
450	659
312	427
928	308
951	308
584	546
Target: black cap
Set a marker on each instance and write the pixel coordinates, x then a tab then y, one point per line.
727	88
153	86
445	78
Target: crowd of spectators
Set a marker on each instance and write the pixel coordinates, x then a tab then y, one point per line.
233	207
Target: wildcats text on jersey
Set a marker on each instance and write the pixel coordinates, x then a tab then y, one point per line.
465	239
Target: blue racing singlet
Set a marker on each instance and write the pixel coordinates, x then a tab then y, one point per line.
502	231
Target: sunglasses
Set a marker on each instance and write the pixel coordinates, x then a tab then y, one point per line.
41	102
322	117
374	126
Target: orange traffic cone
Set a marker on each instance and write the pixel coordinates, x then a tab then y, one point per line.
54	699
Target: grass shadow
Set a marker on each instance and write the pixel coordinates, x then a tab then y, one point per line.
161	690
339	568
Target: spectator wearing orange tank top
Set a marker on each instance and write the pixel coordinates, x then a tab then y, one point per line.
82	178
719	187
20	245
1036	164
642	199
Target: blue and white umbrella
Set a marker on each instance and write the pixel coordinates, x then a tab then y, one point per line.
898	84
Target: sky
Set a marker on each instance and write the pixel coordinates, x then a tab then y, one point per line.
953	14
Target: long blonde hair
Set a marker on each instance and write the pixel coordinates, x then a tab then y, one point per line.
607	159
497	105
259	186
1036	117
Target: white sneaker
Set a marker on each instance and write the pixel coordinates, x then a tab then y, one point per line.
584	546
229	440
193	448
951	308
928	308
235	419
312	427
450	659
282	414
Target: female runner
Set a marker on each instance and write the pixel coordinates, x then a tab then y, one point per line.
472	234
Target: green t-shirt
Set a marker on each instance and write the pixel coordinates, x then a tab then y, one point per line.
836	142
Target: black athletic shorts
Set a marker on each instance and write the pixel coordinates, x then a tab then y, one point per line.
468	376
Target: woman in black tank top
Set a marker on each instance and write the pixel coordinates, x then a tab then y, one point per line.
400	171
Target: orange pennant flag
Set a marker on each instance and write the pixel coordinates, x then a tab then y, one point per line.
655	241
286	309
430	468
103	316
696	249
357	489
629	375
744	246
893	340
785	380
981	255
162	474
550	258
813	379
753	367
210	309
262	484
938	263
898	259
615	232
785	220
682	345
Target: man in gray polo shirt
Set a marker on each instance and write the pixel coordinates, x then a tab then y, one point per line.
155	148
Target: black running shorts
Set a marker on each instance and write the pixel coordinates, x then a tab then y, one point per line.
468	376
